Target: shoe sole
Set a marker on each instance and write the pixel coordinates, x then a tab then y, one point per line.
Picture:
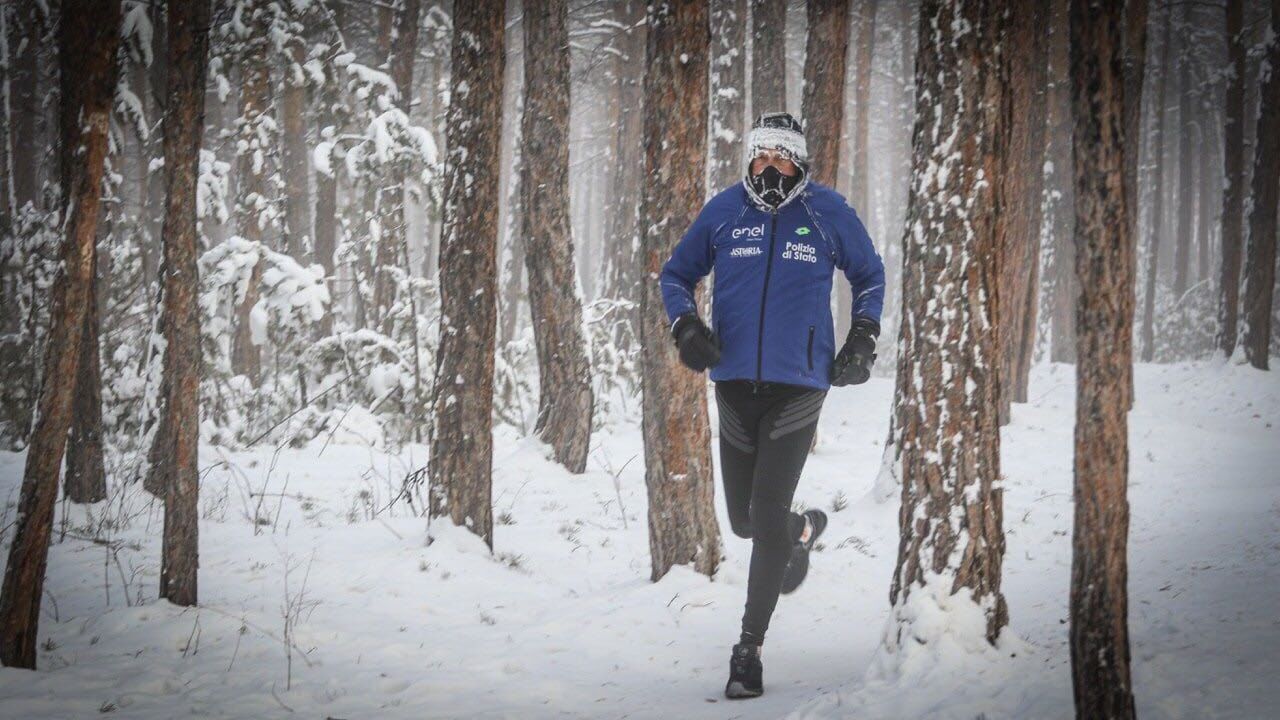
738	691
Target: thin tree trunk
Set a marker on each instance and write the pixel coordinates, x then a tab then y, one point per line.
87	42
1154	232
564	372
295	160
1062	341
188	50
1186	181
1260	270
860	166
1207	207
946	413
1025	67
677	439
462	444
624	264
1104	318
768	56
827	42
255	93
728	94
1232	220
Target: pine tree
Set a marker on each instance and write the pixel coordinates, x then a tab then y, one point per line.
188	48
564	371
827	42
1154	230
947	440
1233	194
1104	321
91	36
1025	67
728	93
1260	269
462	442
768	56
677	438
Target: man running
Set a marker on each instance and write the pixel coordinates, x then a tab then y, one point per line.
773	242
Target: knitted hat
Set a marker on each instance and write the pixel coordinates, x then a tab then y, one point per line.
778	131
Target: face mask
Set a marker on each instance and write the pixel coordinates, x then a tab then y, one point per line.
772	186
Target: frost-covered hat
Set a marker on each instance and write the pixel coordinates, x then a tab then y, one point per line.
778	131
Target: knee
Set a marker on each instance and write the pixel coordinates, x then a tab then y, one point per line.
769	521
741	526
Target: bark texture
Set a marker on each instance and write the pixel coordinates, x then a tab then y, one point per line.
462	440
827	41
1260	271
1185	232
1232	220
184	127
946	411
1022	174
677	438
768	56
91	36
564	371
1104	321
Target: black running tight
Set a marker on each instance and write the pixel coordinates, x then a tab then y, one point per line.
765	433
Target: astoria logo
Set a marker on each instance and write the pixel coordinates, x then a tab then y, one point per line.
746	251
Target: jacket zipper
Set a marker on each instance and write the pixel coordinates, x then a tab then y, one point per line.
810	348
764	293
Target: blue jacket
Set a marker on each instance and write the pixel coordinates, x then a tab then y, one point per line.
771	299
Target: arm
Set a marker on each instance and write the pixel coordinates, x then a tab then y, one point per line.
856	256
689	263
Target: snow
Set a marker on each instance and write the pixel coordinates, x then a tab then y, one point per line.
562	621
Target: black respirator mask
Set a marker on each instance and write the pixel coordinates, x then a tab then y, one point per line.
772	187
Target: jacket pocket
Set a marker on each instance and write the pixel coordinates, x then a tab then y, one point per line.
809	351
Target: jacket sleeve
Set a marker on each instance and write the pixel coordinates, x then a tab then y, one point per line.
689	263
857	258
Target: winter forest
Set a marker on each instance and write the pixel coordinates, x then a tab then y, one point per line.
339	377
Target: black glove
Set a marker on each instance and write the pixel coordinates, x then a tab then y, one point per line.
699	347
852	365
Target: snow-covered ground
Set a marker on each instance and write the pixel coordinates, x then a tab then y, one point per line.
562	621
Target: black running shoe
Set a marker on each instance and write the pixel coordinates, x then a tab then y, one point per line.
798	565
746	674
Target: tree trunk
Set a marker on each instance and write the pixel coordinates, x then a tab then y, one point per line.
1134	62
1025	67
827	42
1260	270
86	478
392	241
87	42
1207	191
677	439
255	102
295	159
1062	332
565	402
1186	181
1234	183
1154	232
860	170
462	443
768	56
946	412
184	120
624	258
1104	322
728	94
24	100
